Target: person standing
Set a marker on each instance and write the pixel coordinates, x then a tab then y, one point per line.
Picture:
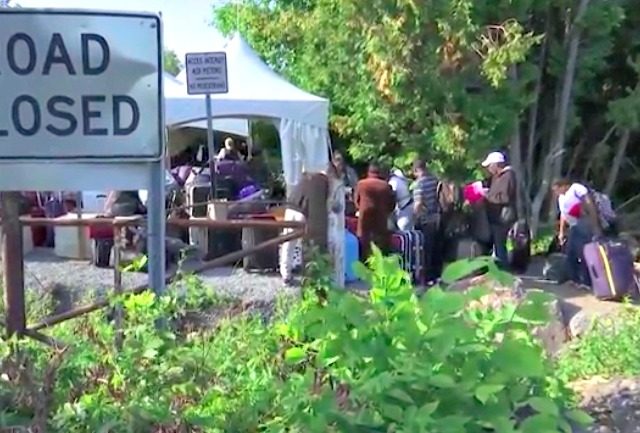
426	210
309	200
501	203
345	172
404	211
579	213
230	151
375	202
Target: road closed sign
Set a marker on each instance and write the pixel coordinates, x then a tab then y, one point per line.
80	85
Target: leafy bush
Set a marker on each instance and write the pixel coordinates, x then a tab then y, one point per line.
609	348
397	362
334	361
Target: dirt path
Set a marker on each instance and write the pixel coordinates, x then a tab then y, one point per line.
573	300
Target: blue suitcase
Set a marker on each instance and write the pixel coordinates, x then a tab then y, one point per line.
351	256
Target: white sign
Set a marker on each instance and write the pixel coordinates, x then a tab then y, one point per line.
80	85
206	73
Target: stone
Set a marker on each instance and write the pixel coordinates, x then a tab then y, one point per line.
613	403
552	336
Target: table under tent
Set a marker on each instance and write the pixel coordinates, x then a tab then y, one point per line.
257	92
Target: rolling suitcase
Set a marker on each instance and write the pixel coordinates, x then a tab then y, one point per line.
351	256
409	245
610	266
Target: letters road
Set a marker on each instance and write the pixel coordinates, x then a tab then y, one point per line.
61	115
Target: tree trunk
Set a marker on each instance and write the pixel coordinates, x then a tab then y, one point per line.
557	144
532	136
595	152
515	152
617	161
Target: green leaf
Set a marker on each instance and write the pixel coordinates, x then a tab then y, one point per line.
462	269
519	359
580	417
295	355
540	424
392	412
485	392
544	405
401	395
438	301
442	381
429	408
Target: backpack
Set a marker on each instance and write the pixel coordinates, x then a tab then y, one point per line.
605	209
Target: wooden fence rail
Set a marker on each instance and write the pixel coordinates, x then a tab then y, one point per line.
14	293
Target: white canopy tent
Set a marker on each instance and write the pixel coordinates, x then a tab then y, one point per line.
256	91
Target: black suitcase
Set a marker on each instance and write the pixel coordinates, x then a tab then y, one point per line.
265	260
466	248
520	252
102	252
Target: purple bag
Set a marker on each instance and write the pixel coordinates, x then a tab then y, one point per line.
610	265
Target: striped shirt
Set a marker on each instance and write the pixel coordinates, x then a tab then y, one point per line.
425	192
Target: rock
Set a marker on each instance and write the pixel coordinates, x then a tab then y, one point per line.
581	322
552	336
614	404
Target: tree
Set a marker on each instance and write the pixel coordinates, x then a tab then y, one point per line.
449	80
172	64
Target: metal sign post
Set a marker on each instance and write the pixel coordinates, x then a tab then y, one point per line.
207	75
81	109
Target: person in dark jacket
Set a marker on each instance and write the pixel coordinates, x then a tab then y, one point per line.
375	202
501	203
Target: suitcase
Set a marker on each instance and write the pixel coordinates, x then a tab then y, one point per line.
520	254
53	208
466	248
102	252
410	246
610	265
555	268
265	260
351	256
38	233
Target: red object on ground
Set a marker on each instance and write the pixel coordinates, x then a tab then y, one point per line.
38	233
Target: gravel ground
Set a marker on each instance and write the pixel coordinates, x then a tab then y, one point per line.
43	271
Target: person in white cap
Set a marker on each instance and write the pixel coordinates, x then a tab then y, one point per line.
501	203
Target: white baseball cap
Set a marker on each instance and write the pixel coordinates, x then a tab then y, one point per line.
494	158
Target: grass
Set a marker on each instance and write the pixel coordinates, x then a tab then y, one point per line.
608	349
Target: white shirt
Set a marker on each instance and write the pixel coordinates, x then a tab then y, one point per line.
569	199
400	186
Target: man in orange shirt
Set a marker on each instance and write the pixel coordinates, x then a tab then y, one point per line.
375	202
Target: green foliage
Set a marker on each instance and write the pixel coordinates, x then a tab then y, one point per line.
397	362
608	349
172	63
334	361
397	73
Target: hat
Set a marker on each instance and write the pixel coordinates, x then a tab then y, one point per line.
494	158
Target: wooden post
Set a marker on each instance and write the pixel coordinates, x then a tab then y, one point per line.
12	263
